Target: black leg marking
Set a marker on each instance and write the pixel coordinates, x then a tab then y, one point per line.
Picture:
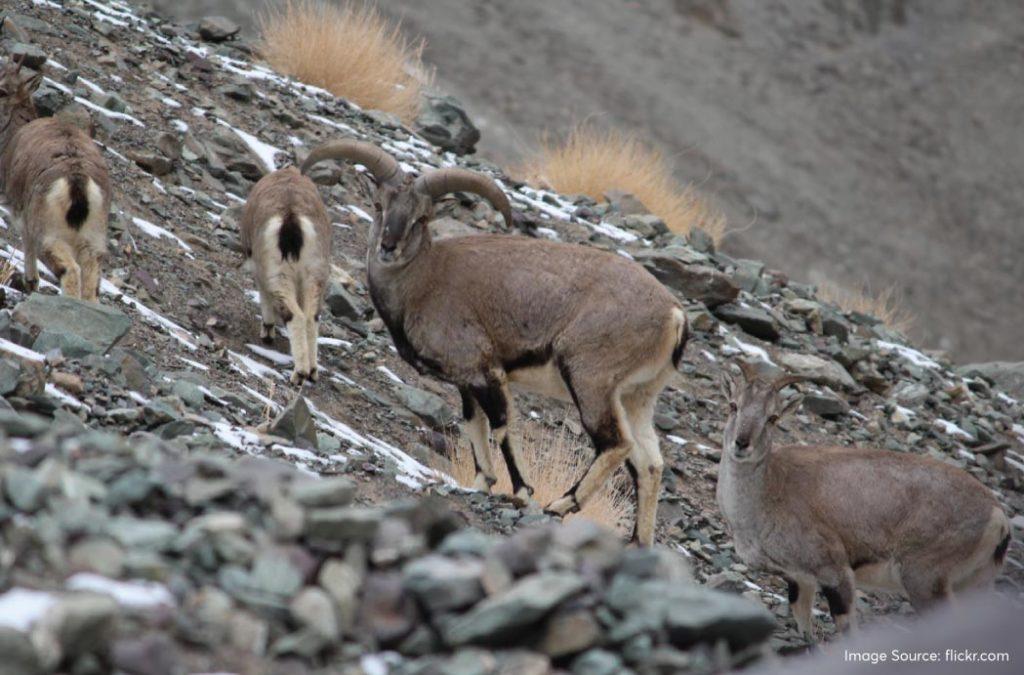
513	468
493	402
468	405
631	468
837	604
268	334
1001	550
793	591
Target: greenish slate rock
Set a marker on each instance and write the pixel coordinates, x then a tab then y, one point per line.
100	325
752	320
692	281
443	122
1007	376
189	393
9	373
69	344
699	614
140	533
500	617
430	407
344	303
818	370
24	490
598	662
342	524
469	541
275	573
335	491
18	654
295	423
825	405
442	584
313	609
22	424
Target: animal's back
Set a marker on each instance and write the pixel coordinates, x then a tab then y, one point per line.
291	197
882	504
49	149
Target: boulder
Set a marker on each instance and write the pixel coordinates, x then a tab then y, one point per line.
428	406
818	370
1007	376
752	320
90	322
696	282
443	121
295	423
217	28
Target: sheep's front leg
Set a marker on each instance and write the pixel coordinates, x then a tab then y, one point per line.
311	303
478	430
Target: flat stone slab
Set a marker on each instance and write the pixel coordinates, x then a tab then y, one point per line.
90	322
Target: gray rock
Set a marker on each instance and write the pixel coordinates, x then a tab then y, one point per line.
699	614
502	616
342	582
696	282
23	425
428	406
570	632
341	302
825	405
98	324
24	490
1005	375
9	375
217	28
141	533
295	423
343	524
70	345
334	491
821	371
28	55
701	240
443	122
598	662
442	584
753	320
19	656
312	609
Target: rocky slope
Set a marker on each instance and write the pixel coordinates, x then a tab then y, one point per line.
863	141
160	507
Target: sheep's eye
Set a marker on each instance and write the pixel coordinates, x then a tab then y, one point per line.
377	207
772	419
732	406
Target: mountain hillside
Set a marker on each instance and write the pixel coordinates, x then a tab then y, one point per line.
170	504
867	142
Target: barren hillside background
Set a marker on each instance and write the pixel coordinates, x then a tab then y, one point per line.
869	142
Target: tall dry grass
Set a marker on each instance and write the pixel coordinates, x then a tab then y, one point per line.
592	161
348	49
885	305
555	459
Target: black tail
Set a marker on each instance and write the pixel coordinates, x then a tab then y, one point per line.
1001	550
677	352
79	209
289	239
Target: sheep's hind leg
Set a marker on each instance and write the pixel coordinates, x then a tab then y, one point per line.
497	403
59	257
477	428
269	318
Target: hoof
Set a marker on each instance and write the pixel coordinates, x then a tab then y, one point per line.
483	484
562	506
297	377
313	376
267	333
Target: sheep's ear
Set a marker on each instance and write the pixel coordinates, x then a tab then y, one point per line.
33	83
727	385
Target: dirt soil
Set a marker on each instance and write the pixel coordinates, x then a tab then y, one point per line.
869	142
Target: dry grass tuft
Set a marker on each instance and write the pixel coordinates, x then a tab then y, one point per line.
555	459
593	161
347	49
885	305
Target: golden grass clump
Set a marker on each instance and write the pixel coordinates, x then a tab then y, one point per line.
884	306
347	49
555	459
593	161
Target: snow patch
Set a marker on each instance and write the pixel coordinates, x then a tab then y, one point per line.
908	353
266	152
21	608
158	232
136	594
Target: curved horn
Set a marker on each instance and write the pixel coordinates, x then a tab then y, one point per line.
749	369
383	166
440	182
783	381
19	33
